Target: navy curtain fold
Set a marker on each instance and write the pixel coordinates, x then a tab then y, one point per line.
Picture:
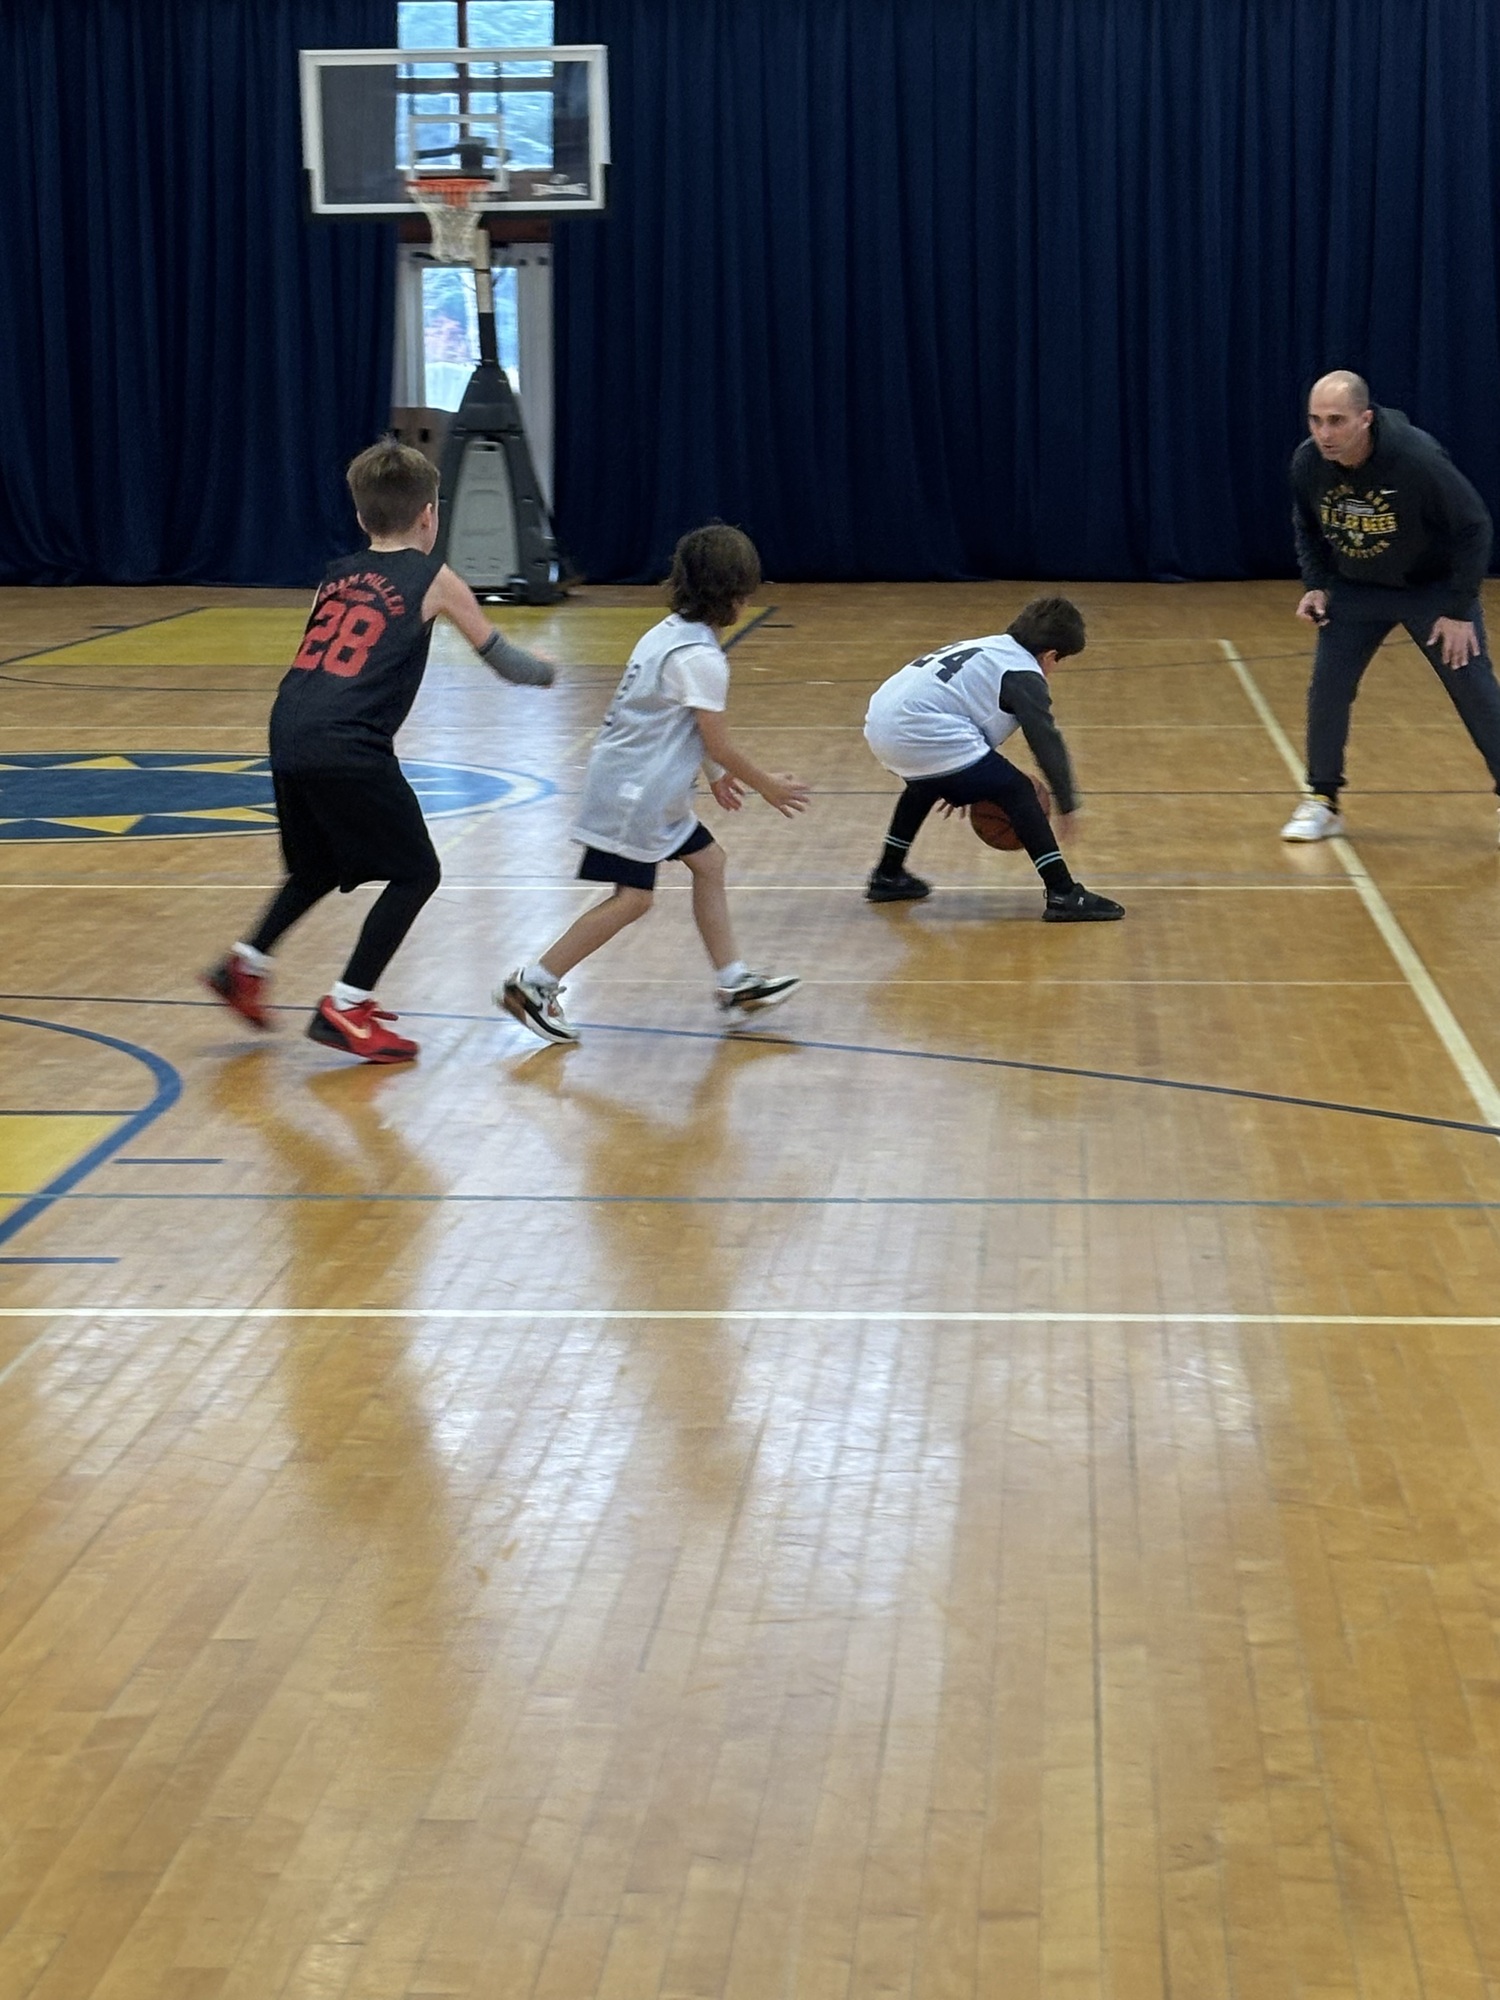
946	288
187	361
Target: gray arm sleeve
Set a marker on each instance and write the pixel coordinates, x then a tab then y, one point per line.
513	664
1027	697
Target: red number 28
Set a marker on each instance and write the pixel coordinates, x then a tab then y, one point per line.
341	638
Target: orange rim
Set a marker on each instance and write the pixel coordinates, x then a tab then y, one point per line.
454	189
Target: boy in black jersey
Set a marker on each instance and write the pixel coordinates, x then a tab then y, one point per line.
347	813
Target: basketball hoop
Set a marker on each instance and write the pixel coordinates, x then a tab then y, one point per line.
452	205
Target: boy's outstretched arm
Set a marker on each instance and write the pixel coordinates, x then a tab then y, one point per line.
788	795
1027	697
448	596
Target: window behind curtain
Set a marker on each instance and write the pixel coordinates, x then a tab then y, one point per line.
450	339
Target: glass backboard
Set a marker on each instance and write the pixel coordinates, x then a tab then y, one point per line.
534	122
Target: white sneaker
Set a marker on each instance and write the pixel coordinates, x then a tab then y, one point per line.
1314	819
536	1007
755	991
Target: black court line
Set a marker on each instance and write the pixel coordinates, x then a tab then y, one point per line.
232	666
1234	1092
59	1260
166	618
52	1111
1037	1069
755	622
145	687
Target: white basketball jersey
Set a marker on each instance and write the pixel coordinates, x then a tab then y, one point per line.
942	713
637	791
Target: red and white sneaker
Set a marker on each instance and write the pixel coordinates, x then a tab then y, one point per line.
358	1031
232	981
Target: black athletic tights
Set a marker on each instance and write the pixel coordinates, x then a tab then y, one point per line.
995	778
392	915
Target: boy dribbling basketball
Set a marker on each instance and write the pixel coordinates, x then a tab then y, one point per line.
938	725
664	725
346	811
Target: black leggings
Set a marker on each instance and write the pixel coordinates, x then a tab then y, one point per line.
994	778
392	915
1346	647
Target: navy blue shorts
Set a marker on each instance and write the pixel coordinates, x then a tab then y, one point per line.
598	865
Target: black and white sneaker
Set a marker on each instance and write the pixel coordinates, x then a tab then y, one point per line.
755	991
897	888
1081	906
536	1007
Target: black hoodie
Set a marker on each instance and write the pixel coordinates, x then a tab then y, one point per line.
1406	519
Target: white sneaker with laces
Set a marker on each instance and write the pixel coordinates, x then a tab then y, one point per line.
756	990
536	1007
1314	819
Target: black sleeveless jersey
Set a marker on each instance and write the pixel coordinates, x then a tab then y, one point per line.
360	664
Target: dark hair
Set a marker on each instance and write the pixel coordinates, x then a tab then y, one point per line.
391	484
714	569
1049	625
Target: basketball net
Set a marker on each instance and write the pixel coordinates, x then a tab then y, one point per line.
452	205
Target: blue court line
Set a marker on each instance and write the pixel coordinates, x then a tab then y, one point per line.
717	1036
788	1201
168	1090
59	1260
178	1160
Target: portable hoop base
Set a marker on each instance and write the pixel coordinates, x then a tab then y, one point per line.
493	524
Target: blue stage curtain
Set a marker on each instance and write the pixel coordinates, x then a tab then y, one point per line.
945	288
187	360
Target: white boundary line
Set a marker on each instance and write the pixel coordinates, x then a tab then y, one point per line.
1465	1057
875	1317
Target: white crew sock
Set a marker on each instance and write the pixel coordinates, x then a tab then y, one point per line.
538	975
258	962
731	974
344	997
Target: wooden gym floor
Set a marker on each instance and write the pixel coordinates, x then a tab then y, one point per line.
990	1487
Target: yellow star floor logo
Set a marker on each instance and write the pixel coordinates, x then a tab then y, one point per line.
144	792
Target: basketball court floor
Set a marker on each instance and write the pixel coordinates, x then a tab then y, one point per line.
988	1484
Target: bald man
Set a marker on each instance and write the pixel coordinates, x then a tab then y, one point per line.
1389	532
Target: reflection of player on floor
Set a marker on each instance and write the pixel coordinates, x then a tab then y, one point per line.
939	723
664	725
347	813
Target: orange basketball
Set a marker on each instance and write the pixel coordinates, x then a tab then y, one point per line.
992	824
